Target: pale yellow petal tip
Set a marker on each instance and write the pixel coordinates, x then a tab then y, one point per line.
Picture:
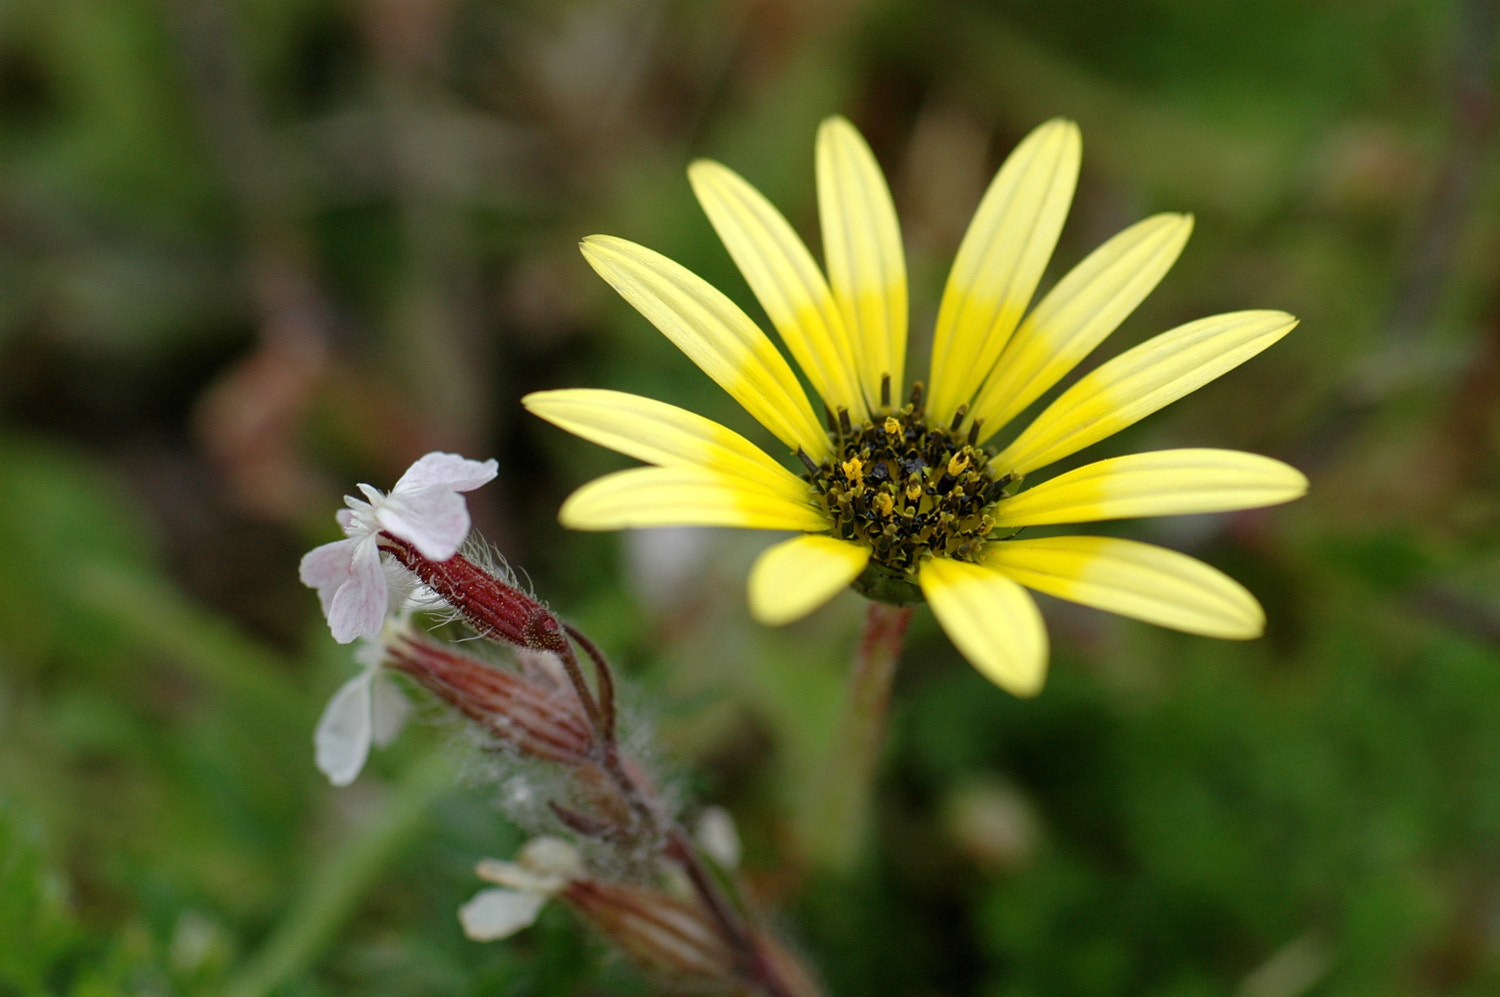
532	401
1296	483
1250	626
1065	128
1280	322
570	516
595	247
546	404
797	576
1180	222
992	622
703	170
599	244
834	124
1021	674
1026	685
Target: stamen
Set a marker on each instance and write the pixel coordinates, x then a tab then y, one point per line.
958	418
907	490
916	397
885	390
974	432
807	462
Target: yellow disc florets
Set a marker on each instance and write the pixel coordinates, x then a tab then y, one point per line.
907	491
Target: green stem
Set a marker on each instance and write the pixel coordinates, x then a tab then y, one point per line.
342	879
840	814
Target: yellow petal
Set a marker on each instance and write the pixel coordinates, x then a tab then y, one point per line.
658	433
683	496
796	576
1000	262
715	334
1075	316
1140	381
785	279
991	620
862	248
1159	483
1133	579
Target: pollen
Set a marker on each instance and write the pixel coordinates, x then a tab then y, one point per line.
908	489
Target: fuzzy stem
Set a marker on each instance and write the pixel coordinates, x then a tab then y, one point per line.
502	612
603	678
757	966
840	811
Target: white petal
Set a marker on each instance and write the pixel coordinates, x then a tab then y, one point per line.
449	470
342	740
389	708
498	913
359	606
325	568
524	878
717	835
435	520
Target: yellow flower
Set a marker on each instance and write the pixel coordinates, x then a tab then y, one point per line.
898	494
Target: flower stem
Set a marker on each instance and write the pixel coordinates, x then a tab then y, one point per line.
840	813
757	964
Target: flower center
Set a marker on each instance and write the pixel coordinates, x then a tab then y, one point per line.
906	490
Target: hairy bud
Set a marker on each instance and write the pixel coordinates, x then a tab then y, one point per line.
539	718
493	608
659	932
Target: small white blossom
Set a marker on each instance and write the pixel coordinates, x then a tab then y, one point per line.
718	837
368	709
544	867
424	509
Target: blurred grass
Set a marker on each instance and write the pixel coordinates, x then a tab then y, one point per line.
253	253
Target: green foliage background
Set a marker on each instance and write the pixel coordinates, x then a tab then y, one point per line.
253	252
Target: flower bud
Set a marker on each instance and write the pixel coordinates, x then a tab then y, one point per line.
493	608
540	719
661	933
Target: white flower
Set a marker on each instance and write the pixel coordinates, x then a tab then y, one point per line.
423	509
544	867
369	708
718	837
